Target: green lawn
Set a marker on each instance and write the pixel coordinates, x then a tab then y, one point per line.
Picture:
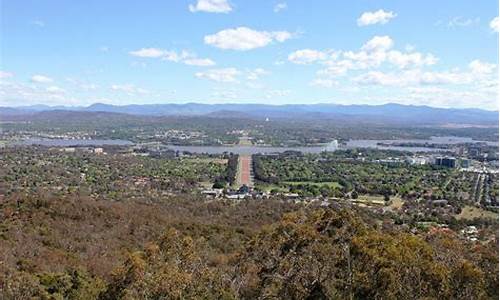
268	187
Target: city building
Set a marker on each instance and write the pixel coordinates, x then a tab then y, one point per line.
465	163
417	160
449	162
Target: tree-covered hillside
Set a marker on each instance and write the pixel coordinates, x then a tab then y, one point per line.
184	249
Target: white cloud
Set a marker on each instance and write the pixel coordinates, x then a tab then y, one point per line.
220	75
281	36
479	72
130	89
174	56
55	90
404	60
15	94
380	78
244	38
233	75
337	68
201	62
377	17
159	53
89	86
5	75
280	6
306	56
254	84
256	74
378	52
447	77
104	49
327	83
462	22
277	93
41	79
364	60
211	6
82	85
444	97
412	78
409	48
148	52
378	43
224	94
169	55
495	24
373	54
479	67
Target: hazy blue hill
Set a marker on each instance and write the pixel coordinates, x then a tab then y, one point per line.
387	113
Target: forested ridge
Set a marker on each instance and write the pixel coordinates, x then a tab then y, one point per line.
181	248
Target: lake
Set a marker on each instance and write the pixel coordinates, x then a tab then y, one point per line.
71	142
349	145
263	149
244	149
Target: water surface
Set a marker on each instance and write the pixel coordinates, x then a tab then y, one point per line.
237	149
72	143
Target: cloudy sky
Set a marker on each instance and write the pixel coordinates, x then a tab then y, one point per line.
427	52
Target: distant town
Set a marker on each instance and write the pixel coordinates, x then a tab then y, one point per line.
240	150
245	176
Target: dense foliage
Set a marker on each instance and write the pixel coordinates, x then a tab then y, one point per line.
187	249
40	170
365	173
84	225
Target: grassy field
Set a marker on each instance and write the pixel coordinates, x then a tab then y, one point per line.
245	141
471	212
268	187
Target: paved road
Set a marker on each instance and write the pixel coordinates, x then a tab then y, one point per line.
244	174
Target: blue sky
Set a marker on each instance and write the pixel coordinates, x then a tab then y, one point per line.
438	53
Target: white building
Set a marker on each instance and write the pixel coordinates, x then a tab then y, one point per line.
332	146
420	160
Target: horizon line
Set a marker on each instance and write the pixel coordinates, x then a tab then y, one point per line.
244	103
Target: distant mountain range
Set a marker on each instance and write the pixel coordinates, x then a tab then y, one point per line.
387	113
